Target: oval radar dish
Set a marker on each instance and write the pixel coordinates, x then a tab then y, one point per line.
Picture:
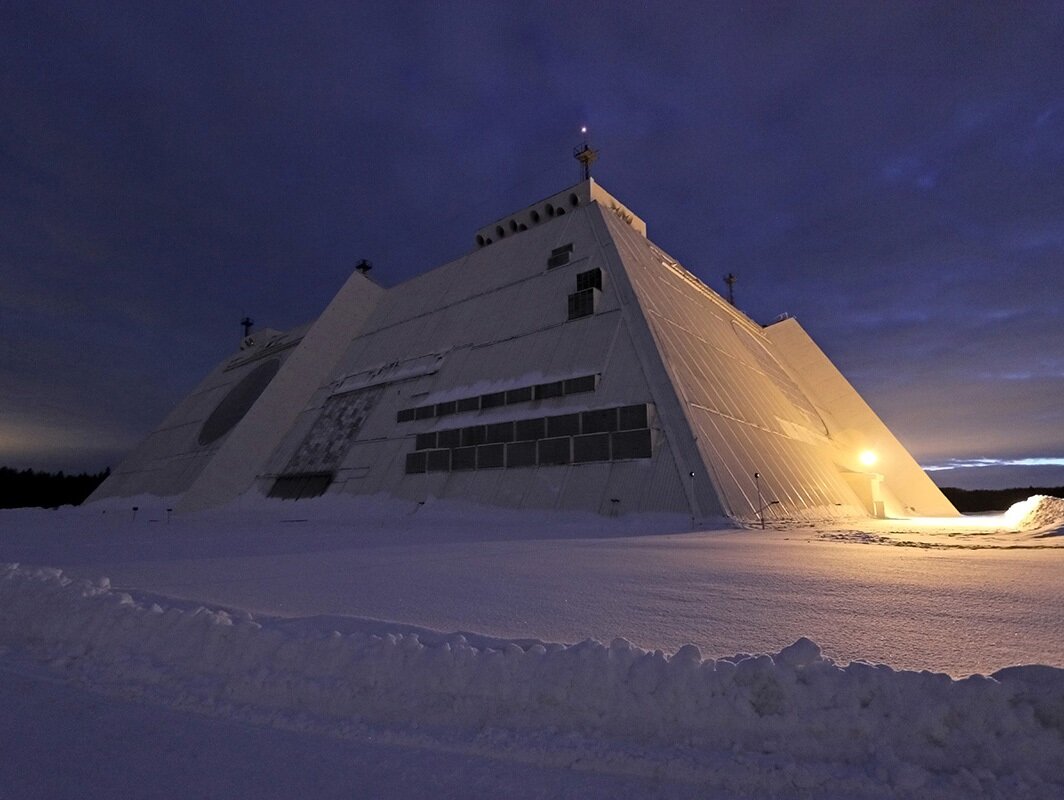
238	402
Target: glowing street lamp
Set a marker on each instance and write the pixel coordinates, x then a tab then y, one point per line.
868	458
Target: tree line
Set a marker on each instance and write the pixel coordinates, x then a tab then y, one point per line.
28	488
969	501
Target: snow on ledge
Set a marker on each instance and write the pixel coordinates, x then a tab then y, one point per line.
1003	733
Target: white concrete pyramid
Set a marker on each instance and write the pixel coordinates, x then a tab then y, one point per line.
566	363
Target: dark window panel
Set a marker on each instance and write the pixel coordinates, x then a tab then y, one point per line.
425	441
595	447
603	419
582	304
500	432
522	395
424	412
564	425
439	460
545	390
493	400
469	404
521	454
585	383
559	256
631	444
491	456
443	409
473	435
415	462
451	438
554	451
631	417
405	415
464	458
527	429
592	279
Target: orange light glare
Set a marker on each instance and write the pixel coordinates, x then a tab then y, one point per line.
868	458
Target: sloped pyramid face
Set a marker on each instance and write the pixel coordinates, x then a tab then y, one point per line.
566	364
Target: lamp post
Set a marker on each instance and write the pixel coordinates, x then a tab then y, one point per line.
760	502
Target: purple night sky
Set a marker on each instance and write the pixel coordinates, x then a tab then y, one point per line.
892	174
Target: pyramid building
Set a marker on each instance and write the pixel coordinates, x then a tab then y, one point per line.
565	363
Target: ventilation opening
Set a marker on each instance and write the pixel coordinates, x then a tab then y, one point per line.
559	256
300	486
574	201
592	279
583	303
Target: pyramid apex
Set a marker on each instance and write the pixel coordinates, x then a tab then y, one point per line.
564	202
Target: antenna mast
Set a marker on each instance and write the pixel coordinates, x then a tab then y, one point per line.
585	154
730	279
247	322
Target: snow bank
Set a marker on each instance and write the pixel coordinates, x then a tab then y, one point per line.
1037	512
913	731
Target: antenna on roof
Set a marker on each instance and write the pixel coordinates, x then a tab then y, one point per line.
364	266
730	279
585	154
247	322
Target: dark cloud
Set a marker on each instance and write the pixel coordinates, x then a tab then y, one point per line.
891	174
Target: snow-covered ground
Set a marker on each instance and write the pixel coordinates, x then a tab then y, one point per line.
597	660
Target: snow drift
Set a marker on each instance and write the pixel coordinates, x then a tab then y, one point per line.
1037	512
906	729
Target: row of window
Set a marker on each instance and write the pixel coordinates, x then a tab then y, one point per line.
602	420
583	449
524	394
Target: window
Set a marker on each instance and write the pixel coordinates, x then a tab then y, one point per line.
501	432
564	425
582	303
439	460
493	400
523	395
425	441
595	447
464	458
631	444
451	438
631	417
415	462
473	435
530	429
592	279
424	412
545	390
585	383
604	419
559	256
405	415
521	454
468	404
490	456
443	409
554	451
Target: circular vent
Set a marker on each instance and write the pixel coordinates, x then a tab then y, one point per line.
238	402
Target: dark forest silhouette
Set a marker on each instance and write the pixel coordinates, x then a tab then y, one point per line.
30	488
